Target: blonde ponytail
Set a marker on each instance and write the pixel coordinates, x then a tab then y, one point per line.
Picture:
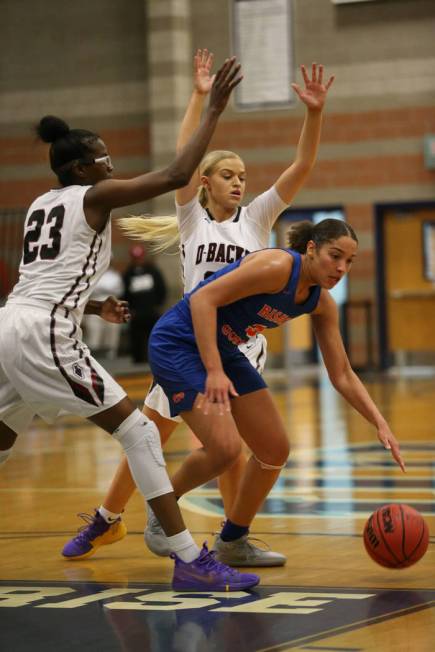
159	233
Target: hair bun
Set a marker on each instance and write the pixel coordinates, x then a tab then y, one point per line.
51	128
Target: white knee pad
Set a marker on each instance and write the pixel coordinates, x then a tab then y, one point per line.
140	439
4	455
269	467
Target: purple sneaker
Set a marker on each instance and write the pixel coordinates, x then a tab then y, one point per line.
90	537
206	573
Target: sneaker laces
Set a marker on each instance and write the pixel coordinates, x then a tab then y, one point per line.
246	539
211	564
91	527
249	543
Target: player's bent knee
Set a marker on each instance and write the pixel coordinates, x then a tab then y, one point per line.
226	454
265	466
140	439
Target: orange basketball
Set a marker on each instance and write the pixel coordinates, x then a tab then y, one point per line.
396	536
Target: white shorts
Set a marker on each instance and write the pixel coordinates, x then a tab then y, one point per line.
46	369
256	352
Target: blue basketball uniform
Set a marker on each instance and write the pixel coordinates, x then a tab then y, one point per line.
174	356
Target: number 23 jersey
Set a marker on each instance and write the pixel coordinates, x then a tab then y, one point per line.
63	257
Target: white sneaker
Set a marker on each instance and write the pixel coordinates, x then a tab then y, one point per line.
154	536
242	552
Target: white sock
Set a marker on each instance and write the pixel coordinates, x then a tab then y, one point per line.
109	517
184	546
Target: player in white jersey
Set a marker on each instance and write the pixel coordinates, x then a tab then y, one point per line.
214	230
46	369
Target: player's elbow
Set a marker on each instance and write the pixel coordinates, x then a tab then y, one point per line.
340	377
303	167
178	177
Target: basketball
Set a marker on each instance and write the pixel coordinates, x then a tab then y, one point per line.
396	536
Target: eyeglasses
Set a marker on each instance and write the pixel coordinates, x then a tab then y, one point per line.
101	159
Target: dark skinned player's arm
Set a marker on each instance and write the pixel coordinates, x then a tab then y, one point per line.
115	193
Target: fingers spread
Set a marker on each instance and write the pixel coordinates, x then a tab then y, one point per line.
304	74
320	76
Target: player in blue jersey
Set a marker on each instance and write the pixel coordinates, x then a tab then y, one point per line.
194	356
213	227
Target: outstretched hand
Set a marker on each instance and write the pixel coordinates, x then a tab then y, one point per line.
315	91
115	311
389	442
226	79
202	79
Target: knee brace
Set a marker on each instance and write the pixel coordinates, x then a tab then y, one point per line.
269	467
140	440
4	455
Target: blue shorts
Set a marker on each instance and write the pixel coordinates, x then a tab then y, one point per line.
177	366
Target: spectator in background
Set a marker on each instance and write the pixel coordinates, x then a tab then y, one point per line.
145	291
102	336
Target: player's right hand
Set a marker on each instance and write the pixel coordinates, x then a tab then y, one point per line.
218	390
227	78
202	79
389	442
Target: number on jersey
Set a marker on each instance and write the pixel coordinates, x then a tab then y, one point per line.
49	250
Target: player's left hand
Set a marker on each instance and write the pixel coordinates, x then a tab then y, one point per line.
389	442
315	91
115	310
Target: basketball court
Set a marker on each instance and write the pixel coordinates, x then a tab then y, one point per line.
329	597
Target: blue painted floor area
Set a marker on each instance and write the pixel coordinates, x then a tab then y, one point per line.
56	616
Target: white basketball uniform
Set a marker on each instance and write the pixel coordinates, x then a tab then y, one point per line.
45	368
207	245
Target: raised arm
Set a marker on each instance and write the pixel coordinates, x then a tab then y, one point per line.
342	376
115	193
313	96
202	83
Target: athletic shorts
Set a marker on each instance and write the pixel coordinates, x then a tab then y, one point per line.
46	369
177	366
256	352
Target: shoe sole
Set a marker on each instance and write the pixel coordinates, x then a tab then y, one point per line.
95	546
206	587
251	563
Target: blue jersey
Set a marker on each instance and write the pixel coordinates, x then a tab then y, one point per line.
239	321
173	353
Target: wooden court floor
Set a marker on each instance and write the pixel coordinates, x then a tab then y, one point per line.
329	597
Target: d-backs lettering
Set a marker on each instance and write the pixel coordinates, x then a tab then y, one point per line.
214	252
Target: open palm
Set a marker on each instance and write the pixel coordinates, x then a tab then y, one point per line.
315	91
202	63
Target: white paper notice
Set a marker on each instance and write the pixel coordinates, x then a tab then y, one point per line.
262	43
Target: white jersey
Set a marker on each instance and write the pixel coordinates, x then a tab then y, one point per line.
206	245
63	257
45	368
